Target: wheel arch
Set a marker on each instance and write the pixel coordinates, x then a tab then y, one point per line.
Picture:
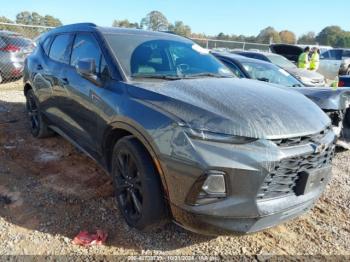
27	87
118	130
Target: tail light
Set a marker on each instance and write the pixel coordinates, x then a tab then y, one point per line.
341	83
10	48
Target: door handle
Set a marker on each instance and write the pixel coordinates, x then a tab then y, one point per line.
64	82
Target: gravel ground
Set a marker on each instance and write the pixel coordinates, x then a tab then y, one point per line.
49	192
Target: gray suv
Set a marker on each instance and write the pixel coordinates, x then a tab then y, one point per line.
182	138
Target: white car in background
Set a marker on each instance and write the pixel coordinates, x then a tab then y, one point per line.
335	62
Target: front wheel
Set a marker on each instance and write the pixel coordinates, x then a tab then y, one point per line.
137	185
38	126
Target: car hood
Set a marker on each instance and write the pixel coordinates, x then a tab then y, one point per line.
327	98
298	72
233	106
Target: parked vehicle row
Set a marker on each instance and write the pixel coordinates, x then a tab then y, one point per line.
333	62
308	78
182	137
14	48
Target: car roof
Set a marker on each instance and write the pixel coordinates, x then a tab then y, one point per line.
90	27
239	58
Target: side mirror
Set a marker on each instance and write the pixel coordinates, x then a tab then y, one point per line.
87	69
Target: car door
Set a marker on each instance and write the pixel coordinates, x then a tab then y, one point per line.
330	63
50	80
81	103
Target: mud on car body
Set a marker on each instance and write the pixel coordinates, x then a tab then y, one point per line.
182	138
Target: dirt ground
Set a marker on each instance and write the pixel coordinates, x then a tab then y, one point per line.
49	192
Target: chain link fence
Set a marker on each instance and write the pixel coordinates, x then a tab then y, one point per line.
230	45
17	41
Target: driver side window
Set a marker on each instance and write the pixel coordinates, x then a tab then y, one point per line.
86	47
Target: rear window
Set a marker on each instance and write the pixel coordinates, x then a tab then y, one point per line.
17	41
280	61
60	48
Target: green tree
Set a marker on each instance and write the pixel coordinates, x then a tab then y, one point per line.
49	20
155	21
343	41
307	39
267	35
28	18
4	19
330	35
180	28
125	23
287	37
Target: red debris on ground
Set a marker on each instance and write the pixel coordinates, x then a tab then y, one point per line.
84	238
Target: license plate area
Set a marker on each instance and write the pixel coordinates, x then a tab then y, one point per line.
309	181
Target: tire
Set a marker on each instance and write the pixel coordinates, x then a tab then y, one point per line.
38	126
137	185
1	78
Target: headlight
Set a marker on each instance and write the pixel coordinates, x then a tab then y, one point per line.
217	137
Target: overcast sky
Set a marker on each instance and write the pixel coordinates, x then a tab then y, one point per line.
203	16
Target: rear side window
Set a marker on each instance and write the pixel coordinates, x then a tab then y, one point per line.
325	55
346	54
335	54
46	45
60	48
86	47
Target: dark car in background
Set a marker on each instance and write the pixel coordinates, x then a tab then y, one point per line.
308	78
335	103
181	136
14	48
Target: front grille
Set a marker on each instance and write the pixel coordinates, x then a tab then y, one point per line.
285	177
301	140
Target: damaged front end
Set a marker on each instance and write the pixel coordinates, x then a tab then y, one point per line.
341	126
336	104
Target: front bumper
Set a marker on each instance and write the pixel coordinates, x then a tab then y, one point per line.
217	225
247	167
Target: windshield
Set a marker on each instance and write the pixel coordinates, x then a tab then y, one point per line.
280	61
270	73
143	56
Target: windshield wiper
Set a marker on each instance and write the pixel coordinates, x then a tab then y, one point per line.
206	74
166	77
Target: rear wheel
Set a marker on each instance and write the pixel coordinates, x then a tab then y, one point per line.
137	185
1	78
38	126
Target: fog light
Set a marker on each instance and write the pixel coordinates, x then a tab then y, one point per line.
215	183
208	188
